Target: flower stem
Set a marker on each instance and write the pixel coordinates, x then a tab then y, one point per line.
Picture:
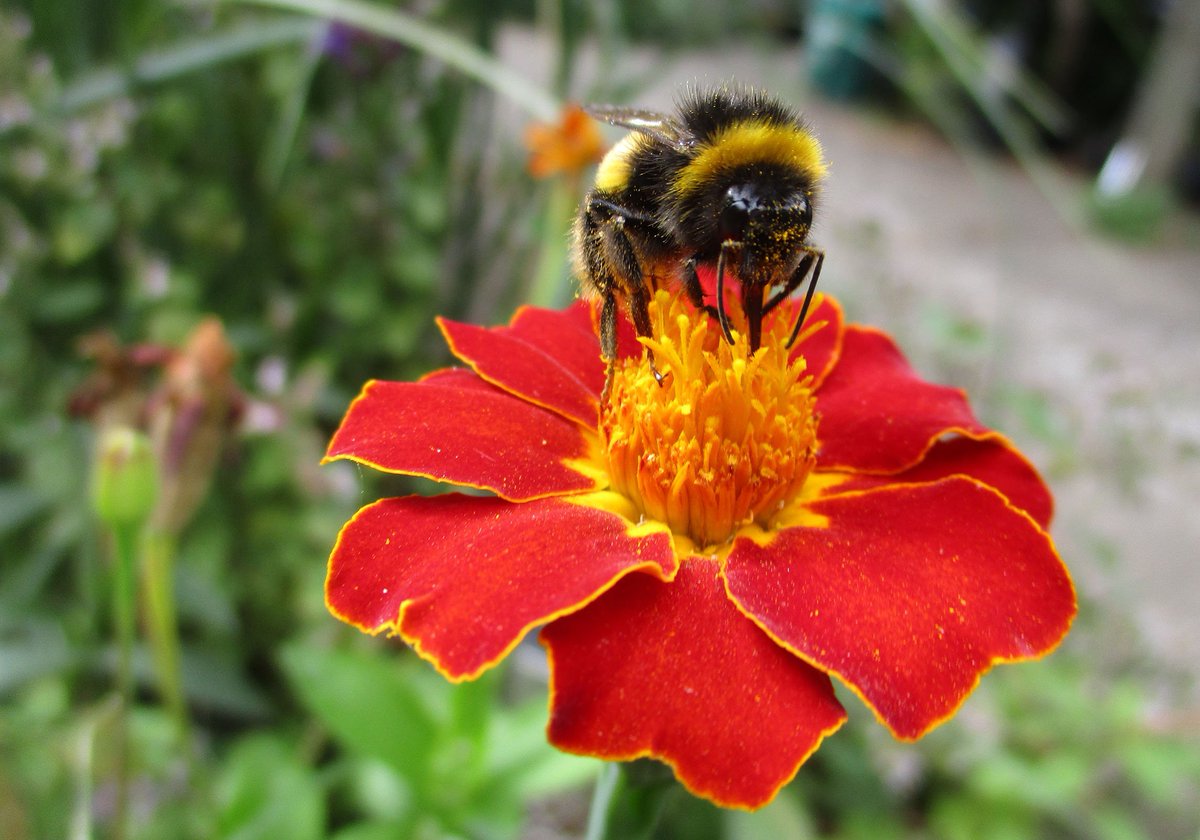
158	549
125	538
629	800
124	487
548	288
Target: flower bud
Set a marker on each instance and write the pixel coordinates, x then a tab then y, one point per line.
190	416
124	478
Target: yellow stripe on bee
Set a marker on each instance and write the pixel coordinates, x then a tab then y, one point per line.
614	170
753	141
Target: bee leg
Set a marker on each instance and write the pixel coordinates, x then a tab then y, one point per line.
590	239
623	255
793	282
722	315
608	341
695	293
818	259
639	310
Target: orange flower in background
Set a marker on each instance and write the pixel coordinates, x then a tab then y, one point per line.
567	147
703	556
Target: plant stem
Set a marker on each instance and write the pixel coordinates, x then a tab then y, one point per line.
125	538
158	549
548	288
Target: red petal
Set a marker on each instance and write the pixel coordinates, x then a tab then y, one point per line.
822	348
877	415
673	671
464	578
993	461
909	594
458	377
569	336
505	358
449	428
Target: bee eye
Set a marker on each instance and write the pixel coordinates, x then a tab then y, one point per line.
735	214
802	207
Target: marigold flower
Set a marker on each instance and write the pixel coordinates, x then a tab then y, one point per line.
566	147
703	556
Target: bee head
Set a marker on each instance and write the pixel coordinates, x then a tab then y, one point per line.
769	224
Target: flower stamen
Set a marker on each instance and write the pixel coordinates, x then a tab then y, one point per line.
727	441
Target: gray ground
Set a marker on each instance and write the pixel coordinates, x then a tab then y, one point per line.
1083	350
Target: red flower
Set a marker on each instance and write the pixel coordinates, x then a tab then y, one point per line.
704	555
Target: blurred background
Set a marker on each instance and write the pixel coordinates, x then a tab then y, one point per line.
217	220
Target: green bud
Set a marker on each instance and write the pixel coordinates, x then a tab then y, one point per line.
125	478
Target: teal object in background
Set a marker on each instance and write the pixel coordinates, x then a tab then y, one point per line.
838	34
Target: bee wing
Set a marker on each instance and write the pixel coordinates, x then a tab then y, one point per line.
653	123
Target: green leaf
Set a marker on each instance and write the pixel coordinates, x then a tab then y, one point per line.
265	793
970	818
370	704
472	704
1113	821
18	505
1162	769
784	817
81	229
213	679
33	649
375	831
70	302
520	758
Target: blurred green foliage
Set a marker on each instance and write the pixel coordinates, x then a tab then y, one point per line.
324	244
325	193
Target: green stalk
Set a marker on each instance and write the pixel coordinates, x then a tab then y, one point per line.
158	554
124	487
415	33
547	288
125	539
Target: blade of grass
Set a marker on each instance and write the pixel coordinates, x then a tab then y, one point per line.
963	58
953	36
187	57
431	40
283	138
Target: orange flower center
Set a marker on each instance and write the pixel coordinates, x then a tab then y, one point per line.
726	442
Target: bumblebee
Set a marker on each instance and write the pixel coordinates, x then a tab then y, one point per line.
728	181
